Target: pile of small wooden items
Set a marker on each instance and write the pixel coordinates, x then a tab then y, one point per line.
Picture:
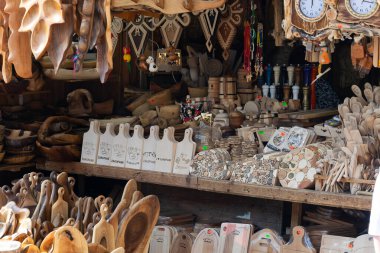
60	221
356	162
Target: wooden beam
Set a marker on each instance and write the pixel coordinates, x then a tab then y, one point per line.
296	218
225	187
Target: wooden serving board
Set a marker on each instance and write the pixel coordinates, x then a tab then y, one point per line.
298	244
207	241
336	244
235	237
149	153
184	153
119	146
161	240
135	146
60	210
183	243
105	145
265	241
364	244
91	143
165	152
103	232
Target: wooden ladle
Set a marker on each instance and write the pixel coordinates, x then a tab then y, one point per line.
136	227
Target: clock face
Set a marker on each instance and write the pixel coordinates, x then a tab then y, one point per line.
362	8
311	10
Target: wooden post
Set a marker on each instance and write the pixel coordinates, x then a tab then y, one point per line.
296	215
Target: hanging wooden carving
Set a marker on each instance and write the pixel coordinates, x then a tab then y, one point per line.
4	52
138	32
116	29
171	27
227	28
208	20
39	16
20	54
168	7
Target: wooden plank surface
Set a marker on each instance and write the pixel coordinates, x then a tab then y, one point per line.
226	187
16	167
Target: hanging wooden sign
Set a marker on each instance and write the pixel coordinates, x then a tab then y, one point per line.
227	28
138	32
171	27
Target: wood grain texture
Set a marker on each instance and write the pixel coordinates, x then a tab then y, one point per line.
345	16
61	37
85	31
20	53
104	46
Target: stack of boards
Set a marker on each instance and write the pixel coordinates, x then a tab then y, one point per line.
230	238
136	152
340	244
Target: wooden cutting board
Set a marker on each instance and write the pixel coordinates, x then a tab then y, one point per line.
165	152
149	153
60	210
184	153
119	146
103	232
207	241
105	145
235	237
298	244
364	244
91	143
20	53
336	244
161	240
183	243
136	227
265	241
135	147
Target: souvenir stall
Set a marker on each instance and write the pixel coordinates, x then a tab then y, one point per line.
199	126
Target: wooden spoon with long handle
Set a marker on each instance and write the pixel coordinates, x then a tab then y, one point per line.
103	232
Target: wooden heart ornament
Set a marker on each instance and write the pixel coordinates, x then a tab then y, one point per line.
227	27
39	16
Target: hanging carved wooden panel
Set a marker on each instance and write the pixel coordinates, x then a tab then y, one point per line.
138	32
171	27
20	54
6	69
169	7
227	28
208	20
39	16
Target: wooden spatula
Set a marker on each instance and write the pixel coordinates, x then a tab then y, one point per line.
136	227
60	210
103	231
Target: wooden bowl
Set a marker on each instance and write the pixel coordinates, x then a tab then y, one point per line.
19	159
65	153
198	92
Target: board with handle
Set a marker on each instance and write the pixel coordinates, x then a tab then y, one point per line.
105	145
119	146
299	244
336	244
91	143
184	153
135	146
149	153
165	152
265	241
235	238
364	244
183	243
207	241
161	240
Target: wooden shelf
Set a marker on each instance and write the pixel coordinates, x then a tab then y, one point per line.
16	167
209	185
